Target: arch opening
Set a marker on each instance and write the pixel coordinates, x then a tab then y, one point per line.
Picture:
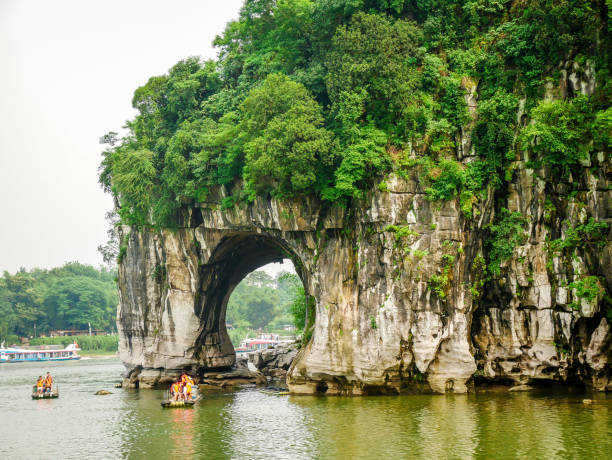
261	309
237	256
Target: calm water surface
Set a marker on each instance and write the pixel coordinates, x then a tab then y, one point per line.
252	425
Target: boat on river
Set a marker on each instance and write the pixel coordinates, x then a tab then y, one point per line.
262	342
43	353
54	393
169	402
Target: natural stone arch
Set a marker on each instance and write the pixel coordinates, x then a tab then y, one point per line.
237	255
376	323
395	281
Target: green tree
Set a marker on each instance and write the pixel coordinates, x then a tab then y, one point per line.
77	301
25	298
134	184
260	312
377	55
298	308
288	152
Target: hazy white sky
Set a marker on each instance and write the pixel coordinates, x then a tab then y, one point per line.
67	74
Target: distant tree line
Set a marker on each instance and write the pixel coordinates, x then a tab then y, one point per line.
34	302
69	297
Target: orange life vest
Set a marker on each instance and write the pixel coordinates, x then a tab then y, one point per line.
49	381
39	383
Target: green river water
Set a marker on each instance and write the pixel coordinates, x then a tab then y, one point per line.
249	424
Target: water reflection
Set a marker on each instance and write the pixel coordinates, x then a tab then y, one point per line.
268	426
182	436
249	424
448	426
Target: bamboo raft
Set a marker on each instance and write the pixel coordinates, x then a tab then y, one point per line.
54	393
278	391
168	402
185	404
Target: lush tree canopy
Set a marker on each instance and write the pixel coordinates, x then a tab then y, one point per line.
326	97
322	97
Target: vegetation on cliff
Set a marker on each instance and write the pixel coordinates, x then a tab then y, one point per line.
325	97
68	297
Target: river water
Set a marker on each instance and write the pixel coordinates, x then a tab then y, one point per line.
249	424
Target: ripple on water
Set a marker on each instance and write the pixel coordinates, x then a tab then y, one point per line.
250	424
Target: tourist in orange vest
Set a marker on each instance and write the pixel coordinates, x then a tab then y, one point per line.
39	385
48	382
187	389
174	390
186	379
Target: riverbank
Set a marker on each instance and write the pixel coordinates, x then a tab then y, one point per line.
97	354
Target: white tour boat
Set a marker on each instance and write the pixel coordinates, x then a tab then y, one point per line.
49	353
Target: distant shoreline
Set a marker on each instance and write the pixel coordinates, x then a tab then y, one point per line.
97	354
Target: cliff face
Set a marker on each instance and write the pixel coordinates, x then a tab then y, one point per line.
398	284
401	294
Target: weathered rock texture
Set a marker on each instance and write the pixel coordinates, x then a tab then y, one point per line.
379	325
397	282
273	362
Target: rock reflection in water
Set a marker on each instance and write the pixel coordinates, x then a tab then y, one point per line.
392	427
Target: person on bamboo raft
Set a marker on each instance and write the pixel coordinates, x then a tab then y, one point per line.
176	392
48	383
187	383
39	385
182	388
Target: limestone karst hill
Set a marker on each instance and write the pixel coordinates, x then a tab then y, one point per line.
439	173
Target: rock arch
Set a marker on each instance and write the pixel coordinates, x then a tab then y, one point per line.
237	255
395	281
174	285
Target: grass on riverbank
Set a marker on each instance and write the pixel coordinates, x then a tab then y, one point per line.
96	344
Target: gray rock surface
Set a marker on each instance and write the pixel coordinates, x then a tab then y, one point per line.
273	362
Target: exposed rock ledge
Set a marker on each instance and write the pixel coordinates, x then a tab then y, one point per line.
159	378
273	362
